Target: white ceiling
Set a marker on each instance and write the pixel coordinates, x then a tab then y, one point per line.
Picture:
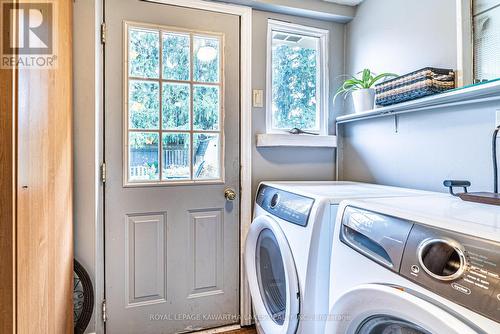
326	10
346	2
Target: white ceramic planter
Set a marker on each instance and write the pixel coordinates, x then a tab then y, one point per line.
363	99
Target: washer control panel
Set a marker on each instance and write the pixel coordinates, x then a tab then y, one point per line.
285	205
461	268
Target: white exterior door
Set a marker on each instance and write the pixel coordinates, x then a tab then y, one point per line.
171	151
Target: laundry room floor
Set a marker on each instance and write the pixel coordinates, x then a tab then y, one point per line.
245	330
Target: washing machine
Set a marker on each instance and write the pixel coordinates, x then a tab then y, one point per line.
419	265
288	248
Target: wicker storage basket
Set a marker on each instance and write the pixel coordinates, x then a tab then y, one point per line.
424	82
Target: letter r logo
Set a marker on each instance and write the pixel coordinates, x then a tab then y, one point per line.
29	26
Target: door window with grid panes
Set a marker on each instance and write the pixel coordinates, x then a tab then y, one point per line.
173	105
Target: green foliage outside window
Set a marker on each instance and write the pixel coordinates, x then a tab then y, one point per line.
175	57
144	55
294	87
206	108
143	105
175	105
206	59
144	95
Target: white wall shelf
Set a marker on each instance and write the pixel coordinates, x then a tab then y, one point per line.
303	140
486	92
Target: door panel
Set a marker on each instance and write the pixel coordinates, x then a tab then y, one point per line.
206	250
146	258
172	240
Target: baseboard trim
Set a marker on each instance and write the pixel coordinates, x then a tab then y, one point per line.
219	329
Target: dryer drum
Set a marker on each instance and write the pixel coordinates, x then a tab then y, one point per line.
271	276
383	324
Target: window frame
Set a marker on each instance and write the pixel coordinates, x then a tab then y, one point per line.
473	38
323	75
127	25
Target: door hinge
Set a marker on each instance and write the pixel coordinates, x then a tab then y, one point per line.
103	172
103	33
104	312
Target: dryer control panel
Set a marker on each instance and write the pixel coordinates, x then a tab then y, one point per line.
285	205
458	267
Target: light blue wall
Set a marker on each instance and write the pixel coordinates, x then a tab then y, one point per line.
450	143
430	146
402	36
294	163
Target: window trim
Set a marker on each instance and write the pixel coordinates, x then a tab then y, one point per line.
323	35
465	45
125	123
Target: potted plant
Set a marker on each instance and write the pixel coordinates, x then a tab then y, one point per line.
361	89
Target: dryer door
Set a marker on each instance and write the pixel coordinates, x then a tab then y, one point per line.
272	277
375	309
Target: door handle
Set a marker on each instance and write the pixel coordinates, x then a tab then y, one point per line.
229	194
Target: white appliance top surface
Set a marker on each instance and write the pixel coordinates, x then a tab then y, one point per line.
336	191
445	211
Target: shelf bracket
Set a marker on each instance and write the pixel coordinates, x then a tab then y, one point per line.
396	123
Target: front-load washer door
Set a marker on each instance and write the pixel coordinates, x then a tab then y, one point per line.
272	277
383	309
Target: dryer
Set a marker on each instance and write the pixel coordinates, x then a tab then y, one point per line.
420	265
288	248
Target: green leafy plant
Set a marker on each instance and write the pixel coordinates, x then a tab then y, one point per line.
367	80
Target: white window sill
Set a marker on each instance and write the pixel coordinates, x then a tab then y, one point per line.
289	140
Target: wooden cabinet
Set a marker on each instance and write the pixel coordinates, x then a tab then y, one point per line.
36	231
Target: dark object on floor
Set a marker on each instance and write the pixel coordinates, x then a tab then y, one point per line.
83	298
476	197
411	86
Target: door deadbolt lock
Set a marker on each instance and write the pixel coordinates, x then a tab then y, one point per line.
229	194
